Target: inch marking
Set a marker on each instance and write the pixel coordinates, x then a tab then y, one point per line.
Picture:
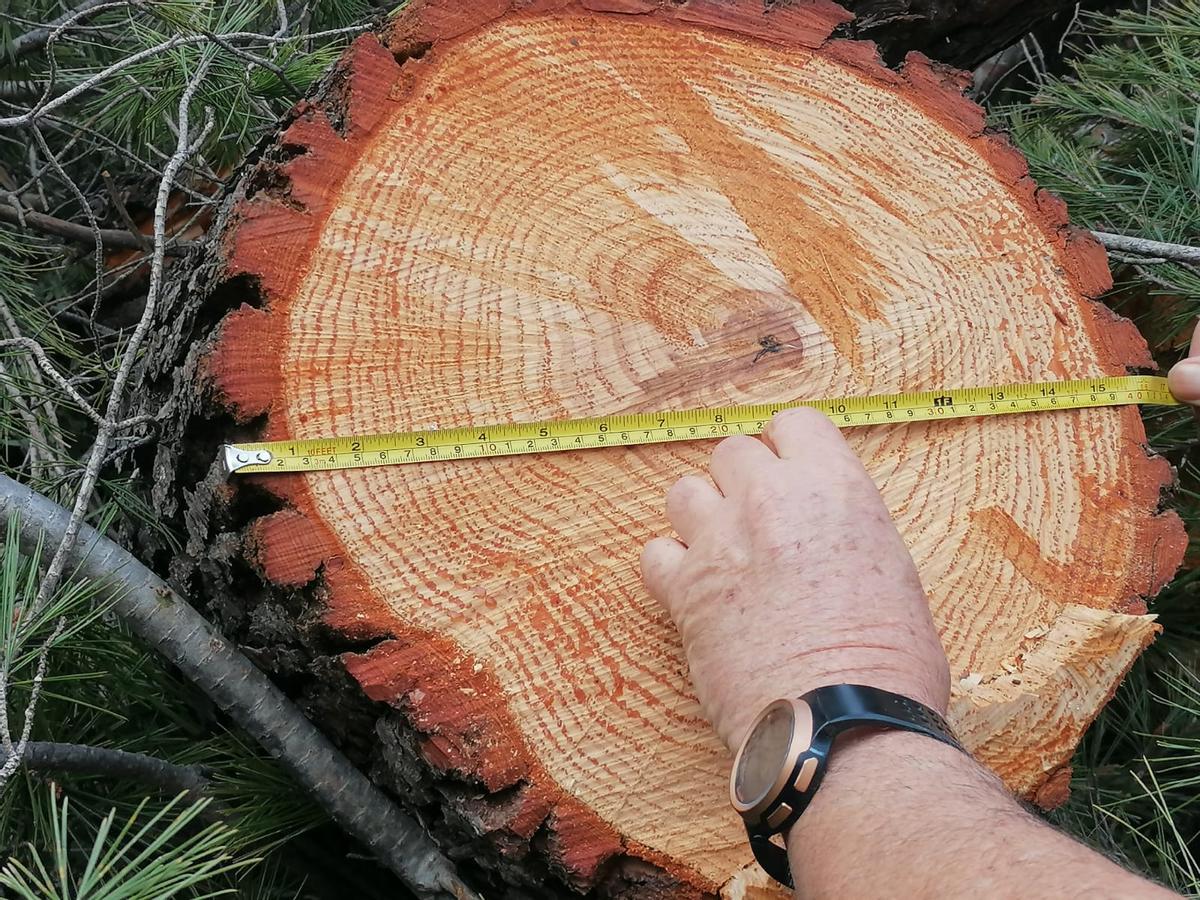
635	429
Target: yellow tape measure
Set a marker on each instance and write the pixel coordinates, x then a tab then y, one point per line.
633	429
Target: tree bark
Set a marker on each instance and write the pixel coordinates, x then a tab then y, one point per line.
960	32
496	214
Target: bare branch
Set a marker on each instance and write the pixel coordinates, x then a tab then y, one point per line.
35	693
93	224
38	353
108	425
118	203
168	623
89	83
80	759
110	238
39	441
281	11
1124	243
40	36
48	408
120	65
255	60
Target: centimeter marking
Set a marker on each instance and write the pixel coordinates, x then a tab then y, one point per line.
634	429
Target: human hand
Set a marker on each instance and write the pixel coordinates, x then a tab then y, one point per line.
790	575
1184	377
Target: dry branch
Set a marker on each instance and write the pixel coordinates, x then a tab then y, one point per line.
110	238
169	624
1162	250
37	37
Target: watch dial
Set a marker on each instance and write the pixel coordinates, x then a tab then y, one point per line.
764	753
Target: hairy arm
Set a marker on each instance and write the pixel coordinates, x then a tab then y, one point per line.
788	574
900	815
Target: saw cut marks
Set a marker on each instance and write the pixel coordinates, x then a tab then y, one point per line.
574	212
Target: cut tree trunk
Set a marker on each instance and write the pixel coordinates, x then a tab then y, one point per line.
495	214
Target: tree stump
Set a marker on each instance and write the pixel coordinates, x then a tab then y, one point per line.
497	213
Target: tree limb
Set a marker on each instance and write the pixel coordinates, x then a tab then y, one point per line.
168	623
80	759
36	38
111	238
1124	243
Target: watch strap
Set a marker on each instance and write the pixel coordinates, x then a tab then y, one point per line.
840	707
836	709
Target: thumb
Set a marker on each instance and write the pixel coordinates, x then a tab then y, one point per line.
1184	377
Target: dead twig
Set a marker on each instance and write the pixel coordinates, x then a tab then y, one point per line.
1124	243
50	104
107	425
38	37
35	690
110	238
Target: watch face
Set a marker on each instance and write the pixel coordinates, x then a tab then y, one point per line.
764	754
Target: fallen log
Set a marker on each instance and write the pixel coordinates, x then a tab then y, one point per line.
493	214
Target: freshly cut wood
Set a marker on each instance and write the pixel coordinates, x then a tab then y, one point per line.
500	214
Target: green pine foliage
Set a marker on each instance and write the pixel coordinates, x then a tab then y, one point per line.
97	158
151	856
1117	137
107	690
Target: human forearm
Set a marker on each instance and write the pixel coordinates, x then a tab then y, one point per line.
788	575
900	815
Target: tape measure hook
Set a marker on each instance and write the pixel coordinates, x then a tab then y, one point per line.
238	458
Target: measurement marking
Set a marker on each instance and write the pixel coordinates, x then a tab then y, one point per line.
513	439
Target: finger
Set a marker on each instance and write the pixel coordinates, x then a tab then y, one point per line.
691	502
661	559
1184	377
795	433
736	460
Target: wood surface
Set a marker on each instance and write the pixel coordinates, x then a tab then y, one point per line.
571	209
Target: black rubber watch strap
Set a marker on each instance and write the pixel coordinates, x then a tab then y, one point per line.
841	707
836	709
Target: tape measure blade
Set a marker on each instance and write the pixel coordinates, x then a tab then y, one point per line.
635	429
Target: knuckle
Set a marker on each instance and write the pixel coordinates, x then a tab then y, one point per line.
733	445
803	420
685	491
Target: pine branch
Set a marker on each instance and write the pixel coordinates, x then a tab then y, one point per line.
80	759
168	623
179	40
111	238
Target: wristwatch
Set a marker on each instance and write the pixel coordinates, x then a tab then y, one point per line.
783	758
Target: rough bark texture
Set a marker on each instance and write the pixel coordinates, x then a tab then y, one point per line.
961	32
506	214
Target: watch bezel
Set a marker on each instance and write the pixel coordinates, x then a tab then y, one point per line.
799	743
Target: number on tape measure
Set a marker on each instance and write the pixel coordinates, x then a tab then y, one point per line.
686	425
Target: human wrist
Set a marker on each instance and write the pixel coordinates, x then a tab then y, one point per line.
884	782
925	681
